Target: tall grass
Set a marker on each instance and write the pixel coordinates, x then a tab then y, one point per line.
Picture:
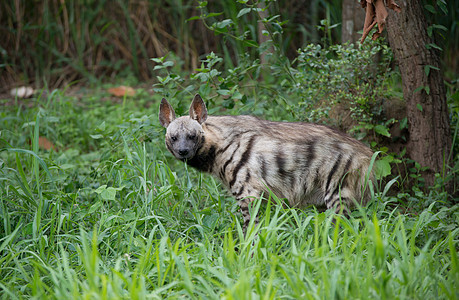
121	219
56	42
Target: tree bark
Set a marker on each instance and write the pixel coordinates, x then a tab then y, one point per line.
353	17
430	137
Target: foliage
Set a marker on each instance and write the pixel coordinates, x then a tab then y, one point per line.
439	14
344	74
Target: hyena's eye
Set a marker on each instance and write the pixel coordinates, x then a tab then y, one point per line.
192	136
173	138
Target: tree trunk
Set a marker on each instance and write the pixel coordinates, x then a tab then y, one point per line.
353	17
430	137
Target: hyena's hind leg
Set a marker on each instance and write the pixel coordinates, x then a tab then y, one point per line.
340	204
342	195
339	196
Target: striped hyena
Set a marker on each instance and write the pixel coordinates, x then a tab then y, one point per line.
308	164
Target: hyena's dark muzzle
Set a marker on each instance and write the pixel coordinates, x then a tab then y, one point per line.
183	152
183	148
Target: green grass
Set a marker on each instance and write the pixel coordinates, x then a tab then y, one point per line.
112	216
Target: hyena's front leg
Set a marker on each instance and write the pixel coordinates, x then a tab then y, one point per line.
244	207
245	192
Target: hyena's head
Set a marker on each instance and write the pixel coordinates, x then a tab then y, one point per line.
184	135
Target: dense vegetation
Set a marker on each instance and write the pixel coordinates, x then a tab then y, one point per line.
102	210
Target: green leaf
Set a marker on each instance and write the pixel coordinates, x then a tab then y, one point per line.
7	239
428	67
164	80
243	12
158	60
360	135
94	207
418	89
250	43
100	189
224	92
427	89
168	63
432	45
455	97
382	130
223	23
40	161
441	27
101	126
442	5
334	26
213	14
382	167
430	8
202	4
419	106
404	123
96	136
427	70
193	18
107	193
237	95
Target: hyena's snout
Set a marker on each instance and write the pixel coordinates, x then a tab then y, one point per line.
183	152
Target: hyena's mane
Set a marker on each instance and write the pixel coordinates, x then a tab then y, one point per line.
203	160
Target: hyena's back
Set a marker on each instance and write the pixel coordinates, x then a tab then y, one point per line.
305	163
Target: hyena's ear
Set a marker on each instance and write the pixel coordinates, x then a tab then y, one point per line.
166	113
198	110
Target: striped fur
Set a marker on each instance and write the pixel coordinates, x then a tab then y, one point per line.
308	164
